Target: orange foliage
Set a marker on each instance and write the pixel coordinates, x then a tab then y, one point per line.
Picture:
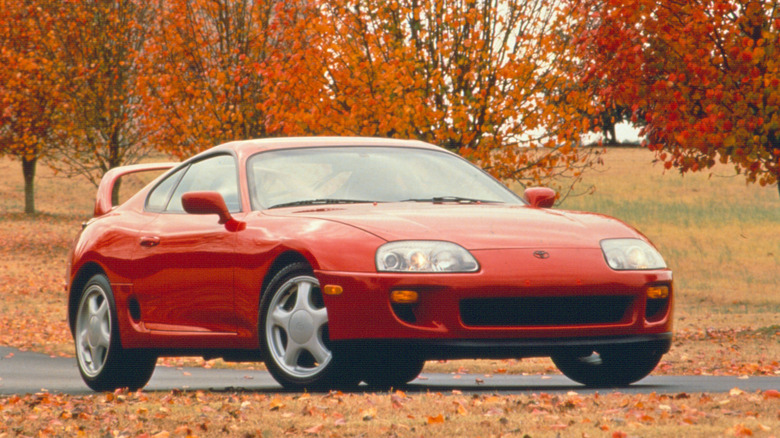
26	90
702	78
93	50
182	75
205	73
473	77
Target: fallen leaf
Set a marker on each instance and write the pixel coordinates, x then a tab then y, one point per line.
276	404
439	419
314	429
771	393
368	414
742	430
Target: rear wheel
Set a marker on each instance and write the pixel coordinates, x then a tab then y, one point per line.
294	333
610	366
102	362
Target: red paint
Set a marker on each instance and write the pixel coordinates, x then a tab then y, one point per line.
198	277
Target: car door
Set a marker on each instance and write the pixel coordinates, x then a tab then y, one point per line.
184	267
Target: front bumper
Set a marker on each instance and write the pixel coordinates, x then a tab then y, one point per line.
514	298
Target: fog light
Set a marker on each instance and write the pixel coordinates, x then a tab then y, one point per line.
658	292
404	296
332	289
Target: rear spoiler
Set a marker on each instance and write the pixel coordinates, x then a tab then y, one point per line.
103	203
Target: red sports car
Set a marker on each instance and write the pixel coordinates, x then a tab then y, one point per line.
341	260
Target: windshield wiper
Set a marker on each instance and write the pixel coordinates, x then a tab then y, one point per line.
456	199
322	201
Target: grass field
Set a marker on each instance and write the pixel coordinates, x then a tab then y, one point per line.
721	237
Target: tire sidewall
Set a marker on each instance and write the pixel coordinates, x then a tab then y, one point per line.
103	379
268	297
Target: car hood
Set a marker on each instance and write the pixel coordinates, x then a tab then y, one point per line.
473	226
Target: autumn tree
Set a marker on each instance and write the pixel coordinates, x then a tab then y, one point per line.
93	49
28	95
703	77
205	80
464	74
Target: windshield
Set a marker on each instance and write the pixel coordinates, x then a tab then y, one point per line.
335	175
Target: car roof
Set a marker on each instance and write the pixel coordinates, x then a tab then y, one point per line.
249	147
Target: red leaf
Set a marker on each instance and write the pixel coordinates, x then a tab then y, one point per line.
771	393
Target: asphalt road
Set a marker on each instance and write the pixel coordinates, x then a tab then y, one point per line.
26	373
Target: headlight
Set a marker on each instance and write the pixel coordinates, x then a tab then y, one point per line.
424	256
631	254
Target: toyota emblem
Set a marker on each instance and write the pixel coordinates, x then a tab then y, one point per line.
541	254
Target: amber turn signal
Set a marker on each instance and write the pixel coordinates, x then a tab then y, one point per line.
404	296
332	289
658	292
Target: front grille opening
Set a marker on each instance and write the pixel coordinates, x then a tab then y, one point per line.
544	311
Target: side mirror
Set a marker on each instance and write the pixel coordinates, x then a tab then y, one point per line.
540	197
211	203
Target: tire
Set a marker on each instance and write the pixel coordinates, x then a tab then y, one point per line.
293	328
390	369
102	362
611	366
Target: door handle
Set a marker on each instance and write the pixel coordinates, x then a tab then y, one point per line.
150	241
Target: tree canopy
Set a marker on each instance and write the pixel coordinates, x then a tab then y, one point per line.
470	76
29	95
513	85
701	77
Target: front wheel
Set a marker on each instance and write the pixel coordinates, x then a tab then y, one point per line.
102	362
610	366
294	333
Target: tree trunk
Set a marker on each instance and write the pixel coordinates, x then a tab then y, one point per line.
28	169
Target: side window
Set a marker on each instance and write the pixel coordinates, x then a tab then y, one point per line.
160	195
218	174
